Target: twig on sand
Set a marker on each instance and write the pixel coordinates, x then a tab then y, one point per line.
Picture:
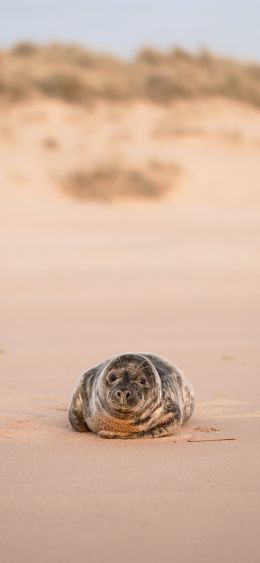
212	440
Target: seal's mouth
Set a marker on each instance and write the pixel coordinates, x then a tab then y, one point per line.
126	408
123	410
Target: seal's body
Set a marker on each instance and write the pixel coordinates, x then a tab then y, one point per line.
132	396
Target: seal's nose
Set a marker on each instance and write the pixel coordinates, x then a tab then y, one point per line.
123	396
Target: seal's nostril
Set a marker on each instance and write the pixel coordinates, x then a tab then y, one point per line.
122	396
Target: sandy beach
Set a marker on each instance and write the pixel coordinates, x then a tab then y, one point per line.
83	281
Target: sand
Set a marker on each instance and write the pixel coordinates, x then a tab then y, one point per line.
82	282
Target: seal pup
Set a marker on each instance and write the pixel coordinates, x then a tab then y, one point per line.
132	396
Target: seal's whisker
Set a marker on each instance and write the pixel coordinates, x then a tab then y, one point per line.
138	367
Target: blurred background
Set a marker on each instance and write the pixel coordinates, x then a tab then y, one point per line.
129	221
130	176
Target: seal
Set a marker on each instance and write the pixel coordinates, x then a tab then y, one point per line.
132	396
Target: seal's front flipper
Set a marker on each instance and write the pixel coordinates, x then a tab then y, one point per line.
120	435
113	435
165	429
76	411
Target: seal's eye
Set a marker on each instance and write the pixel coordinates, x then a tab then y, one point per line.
112	377
143	381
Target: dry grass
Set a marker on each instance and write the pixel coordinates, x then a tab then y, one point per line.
77	75
112	182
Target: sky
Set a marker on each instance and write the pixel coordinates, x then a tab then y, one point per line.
228	27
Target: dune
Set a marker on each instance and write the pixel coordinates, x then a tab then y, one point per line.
82	279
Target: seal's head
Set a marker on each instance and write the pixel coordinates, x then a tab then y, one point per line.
128	384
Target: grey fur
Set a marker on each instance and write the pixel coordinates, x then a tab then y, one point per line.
132	396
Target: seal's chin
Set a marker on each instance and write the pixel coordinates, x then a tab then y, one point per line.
122	410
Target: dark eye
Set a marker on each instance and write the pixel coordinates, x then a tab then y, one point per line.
143	381
112	377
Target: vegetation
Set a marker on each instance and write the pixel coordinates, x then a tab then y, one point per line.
111	182
76	75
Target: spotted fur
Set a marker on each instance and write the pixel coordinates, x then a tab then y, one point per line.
132	396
